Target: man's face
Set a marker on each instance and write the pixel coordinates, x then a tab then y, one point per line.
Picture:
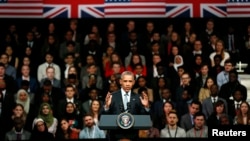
49	58
228	67
166	93
194	108
68	36
50	73
30	36
111	37
70	92
2	71
150	27
210	25
232	77
214	90
185	79
25	71
93	94
88	121
204	70
197	45
172	119
199	121
4	59
127	82
47	89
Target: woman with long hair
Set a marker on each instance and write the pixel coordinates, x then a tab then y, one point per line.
243	116
136	59
219	110
205	91
95	110
219	50
65	132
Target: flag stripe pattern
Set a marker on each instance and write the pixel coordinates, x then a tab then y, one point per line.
21	8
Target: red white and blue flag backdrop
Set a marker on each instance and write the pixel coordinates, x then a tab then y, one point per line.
123	8
238	8
21	8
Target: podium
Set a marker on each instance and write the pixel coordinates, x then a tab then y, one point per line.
109	122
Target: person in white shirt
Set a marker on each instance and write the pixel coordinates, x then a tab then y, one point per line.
41	72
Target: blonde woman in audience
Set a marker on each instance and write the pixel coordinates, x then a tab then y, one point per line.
205	91
219	50
243	117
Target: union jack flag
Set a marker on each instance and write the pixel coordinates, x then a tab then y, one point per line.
195	8
73	8
238	8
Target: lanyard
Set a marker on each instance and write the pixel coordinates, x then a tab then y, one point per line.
91	136
174	133
200	133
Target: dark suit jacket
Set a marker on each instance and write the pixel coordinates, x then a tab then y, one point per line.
116	106
55	95
186	122
208	108
33	84
56	83
11	135
5	117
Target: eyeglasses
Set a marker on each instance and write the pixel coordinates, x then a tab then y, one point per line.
39	125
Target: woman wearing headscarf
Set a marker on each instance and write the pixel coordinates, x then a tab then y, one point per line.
40	131
45	113
22	98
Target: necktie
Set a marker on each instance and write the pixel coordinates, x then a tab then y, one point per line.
1	102
125	101
238	105
1	97
232	43
214	101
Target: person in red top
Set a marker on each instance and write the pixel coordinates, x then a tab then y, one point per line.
117	68
136	59
115	58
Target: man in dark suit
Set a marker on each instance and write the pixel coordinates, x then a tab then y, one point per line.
125	100
7	104
9	80
55	94
186	121
70	93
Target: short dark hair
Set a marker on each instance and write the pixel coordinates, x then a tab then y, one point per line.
25	83
141	89
47	82
199	114
2	65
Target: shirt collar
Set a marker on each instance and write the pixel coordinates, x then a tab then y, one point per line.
70	100
123	92
236	102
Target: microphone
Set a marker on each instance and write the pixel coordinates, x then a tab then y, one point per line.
121	107
128	107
